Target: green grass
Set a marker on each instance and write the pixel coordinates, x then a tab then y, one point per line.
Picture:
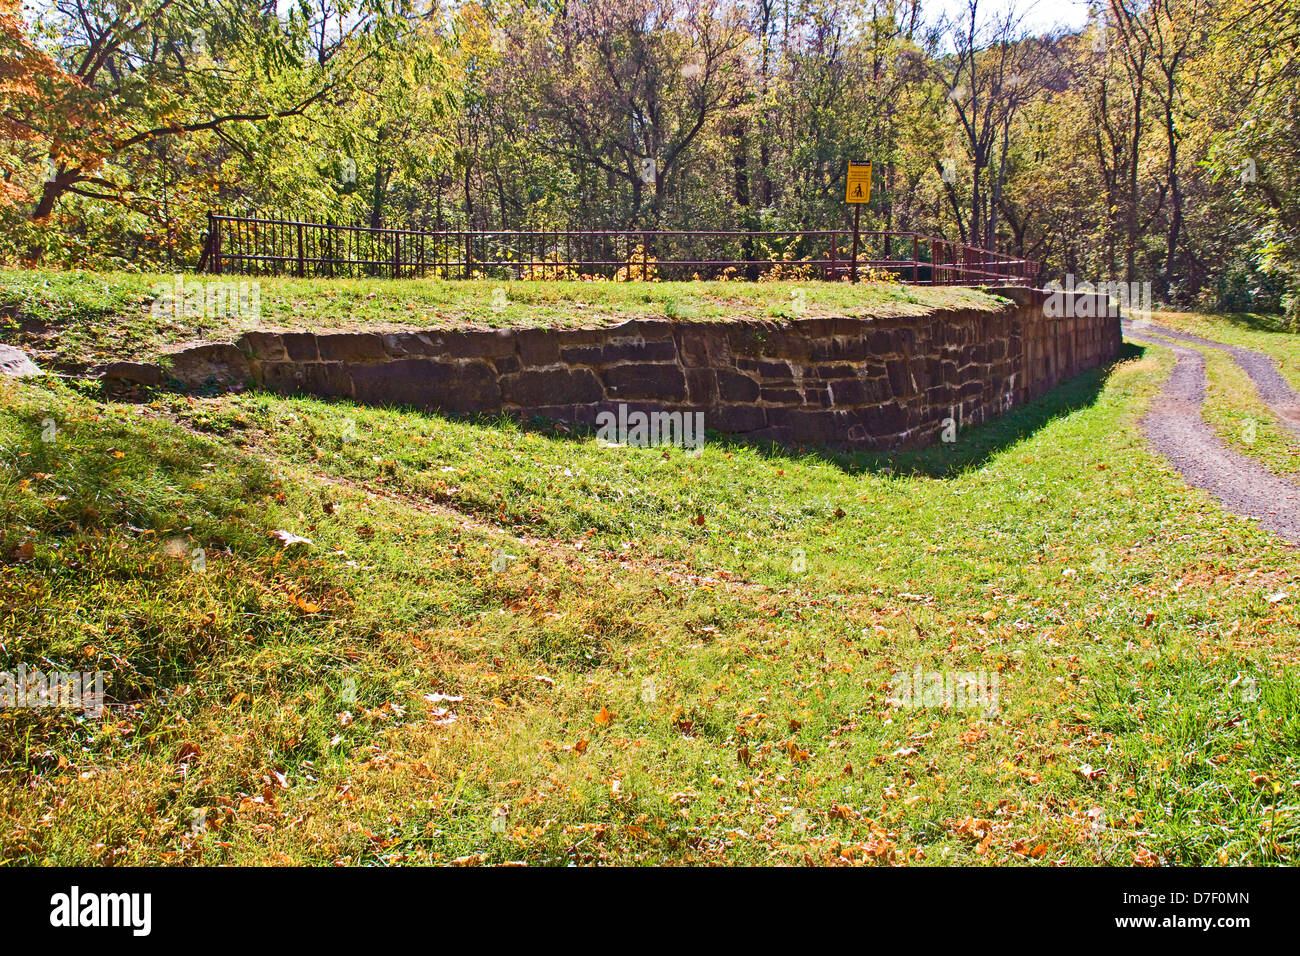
71	318
683	659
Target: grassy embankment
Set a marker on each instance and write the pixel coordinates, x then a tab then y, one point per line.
506	643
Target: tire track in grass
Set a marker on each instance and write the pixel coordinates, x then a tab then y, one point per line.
1274	390
1177	430
673	573
676	573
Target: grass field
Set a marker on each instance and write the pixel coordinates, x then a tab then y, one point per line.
506	643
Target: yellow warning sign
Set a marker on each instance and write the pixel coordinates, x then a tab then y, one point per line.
857	187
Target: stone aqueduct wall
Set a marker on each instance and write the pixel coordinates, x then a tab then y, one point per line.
867	383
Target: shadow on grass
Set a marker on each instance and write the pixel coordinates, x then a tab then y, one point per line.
976	445
1254	321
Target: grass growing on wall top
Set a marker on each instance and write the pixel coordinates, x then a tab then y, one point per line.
84	316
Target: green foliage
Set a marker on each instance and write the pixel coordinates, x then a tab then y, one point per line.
1113	152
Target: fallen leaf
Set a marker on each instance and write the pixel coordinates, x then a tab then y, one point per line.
288	539
437	698
305	606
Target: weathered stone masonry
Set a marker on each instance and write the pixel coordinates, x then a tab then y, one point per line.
868	383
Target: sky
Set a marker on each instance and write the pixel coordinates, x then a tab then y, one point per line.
1040	15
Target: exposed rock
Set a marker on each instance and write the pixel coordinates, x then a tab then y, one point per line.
136	373
15	363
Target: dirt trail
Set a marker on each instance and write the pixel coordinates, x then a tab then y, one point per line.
1175	427
1274	390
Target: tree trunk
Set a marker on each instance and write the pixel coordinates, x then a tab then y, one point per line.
51	193
378	195
469	199
1176	196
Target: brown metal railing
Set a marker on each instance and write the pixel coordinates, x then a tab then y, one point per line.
255	245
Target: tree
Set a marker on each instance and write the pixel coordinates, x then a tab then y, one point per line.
31	83
1248	102
634	83
1169	33
993	70
144	73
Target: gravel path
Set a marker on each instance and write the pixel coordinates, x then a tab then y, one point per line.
1282	400
1176	429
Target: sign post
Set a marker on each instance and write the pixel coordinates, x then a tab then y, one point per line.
857	190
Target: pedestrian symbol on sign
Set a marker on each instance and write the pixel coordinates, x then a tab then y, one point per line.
857	188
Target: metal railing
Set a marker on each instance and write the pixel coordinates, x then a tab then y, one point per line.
255	245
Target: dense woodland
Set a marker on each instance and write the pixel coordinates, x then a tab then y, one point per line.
1160	143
